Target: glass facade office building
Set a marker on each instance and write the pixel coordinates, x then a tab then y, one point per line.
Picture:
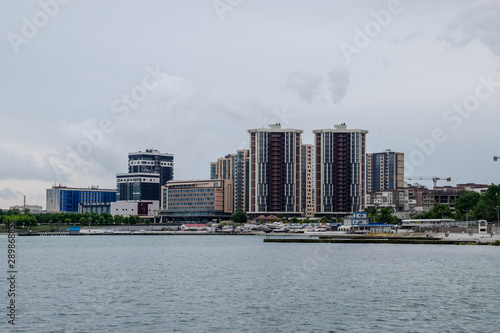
147	172
69	200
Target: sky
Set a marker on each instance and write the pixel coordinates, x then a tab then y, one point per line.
83	83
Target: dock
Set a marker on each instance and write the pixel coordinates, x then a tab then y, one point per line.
374	239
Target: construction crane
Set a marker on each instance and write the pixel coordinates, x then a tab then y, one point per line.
434	179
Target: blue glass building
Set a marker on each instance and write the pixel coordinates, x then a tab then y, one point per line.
69	200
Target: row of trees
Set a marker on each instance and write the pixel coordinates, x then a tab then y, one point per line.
27	220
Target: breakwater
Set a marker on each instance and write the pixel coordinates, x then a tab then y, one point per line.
387	240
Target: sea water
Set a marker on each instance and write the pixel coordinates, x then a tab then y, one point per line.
241	284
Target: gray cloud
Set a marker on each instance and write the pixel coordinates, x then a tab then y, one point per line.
16	166
479	22
7	193
405	39
339	83
304	85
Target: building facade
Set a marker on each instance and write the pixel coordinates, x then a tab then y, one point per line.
147	172
152	161
70	200
138	186
417	199
235	168
340	167
33	209
275	171
384	171
197	200
307	182
136	207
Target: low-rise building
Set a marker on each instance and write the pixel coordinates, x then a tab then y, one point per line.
135	207
196	200
69	200
34	209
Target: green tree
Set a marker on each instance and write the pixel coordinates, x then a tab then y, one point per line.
118	219
488	205
134	219
239	217
100	220
372	213
466	203
385	215
441	211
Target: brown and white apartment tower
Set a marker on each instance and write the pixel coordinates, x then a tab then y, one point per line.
275	171
340	167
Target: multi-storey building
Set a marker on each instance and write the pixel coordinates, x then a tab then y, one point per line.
275	171
147	172
385	171
307	183
138	186
416	199
340	168
234	168
71	200
152	161
202	200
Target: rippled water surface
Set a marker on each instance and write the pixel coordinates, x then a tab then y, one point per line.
241	284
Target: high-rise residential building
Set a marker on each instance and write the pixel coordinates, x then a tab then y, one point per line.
340	166
236	168
307	183
147	172
275	171
71	200
384	171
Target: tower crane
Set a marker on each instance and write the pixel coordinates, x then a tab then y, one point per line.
434	179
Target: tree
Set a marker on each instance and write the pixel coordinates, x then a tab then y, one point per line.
372	213
118	219
239	217
466	202
385	215
441	211
134	219
488	204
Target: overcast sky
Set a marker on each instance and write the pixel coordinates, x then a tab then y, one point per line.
83	83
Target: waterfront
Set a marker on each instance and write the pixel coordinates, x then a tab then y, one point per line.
241	284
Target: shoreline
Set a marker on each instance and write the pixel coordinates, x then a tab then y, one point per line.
318	237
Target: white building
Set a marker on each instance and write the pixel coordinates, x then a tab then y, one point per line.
129	208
